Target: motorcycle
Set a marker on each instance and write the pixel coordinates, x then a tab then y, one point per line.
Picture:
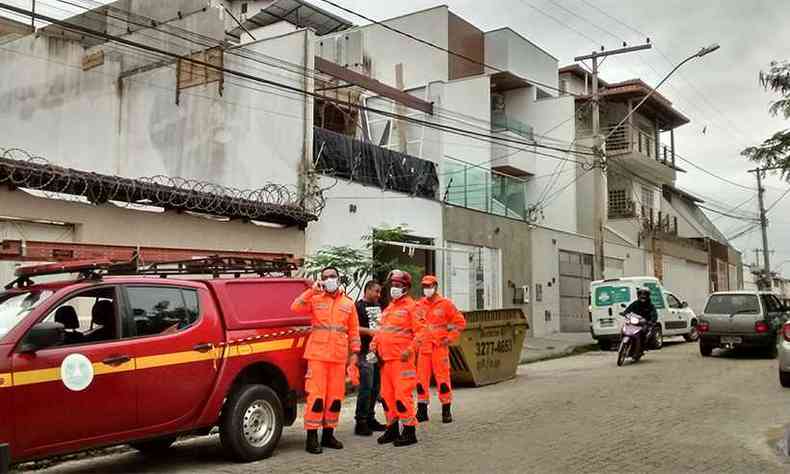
631	342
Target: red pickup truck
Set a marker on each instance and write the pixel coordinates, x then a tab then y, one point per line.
116	357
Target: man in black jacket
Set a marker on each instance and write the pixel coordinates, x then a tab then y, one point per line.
368	311
643	306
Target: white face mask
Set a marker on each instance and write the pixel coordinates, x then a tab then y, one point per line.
330	285
429	292
396	293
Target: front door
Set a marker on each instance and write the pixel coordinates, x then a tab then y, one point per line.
678	320
175	331
79	393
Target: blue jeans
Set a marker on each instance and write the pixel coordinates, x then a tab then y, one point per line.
369	387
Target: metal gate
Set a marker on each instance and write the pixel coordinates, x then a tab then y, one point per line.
576	273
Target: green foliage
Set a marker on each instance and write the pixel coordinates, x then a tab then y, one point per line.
775	151
356	265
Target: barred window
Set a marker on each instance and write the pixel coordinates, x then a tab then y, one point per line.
618	203
648	197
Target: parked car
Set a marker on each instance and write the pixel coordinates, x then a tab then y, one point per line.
784	356
105	360
741	319
608	298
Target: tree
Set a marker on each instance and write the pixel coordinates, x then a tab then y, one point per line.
775	151
358	265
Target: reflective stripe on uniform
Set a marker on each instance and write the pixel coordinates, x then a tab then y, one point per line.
408	373
330	327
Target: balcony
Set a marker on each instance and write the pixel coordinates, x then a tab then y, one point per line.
506	158
480	188
639	151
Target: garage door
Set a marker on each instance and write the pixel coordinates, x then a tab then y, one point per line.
575	277
687	280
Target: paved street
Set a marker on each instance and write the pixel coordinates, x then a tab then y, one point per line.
672	412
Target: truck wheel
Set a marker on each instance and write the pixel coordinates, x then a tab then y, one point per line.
784	379
154	447
705	349
252	423
604	344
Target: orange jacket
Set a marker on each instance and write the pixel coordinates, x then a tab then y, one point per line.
335	327
399	329
441	319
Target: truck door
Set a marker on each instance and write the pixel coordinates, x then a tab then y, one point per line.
81	392
176	330
678	320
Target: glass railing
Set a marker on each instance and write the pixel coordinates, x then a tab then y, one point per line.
501	122
480	188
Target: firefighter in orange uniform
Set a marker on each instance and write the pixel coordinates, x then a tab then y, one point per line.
333	343
443	325
395	345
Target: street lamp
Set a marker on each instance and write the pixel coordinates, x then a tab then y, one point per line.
702	52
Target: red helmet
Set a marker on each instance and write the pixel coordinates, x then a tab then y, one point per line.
400	276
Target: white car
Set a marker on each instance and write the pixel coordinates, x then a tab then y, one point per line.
609	298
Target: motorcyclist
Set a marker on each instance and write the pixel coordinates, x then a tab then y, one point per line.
643	306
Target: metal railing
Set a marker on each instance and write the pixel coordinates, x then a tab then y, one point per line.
483	189
626	139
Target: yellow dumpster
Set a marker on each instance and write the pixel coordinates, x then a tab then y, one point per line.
489	349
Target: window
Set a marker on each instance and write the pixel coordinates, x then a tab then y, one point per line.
563	87
732	304
655	295
159	310
88	317
648	197
673	302
618	203
14	307
611	295
771	304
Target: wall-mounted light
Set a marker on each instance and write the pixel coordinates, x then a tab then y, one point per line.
352	208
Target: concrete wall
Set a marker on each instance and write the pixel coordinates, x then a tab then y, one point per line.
243	138
560	211
340	226
112	225
509	51
470	102
509	235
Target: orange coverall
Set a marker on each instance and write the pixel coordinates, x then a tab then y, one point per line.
443	324
334	335
399	330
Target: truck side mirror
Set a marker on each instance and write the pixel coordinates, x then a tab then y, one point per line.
43	335
684	304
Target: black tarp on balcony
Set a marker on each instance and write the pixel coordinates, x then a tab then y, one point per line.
343	157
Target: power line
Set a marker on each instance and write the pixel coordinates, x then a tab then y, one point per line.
286	87
436	46
778	200
710	173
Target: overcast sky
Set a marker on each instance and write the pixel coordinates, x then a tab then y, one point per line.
719	93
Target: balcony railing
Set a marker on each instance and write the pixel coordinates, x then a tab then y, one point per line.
480	188
626	139
500	122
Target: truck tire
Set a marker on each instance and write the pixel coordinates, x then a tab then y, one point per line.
154	447
784	379
252	423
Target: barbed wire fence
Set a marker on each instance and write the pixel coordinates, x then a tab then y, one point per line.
272	202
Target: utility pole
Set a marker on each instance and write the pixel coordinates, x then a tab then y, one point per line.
600	191
766	276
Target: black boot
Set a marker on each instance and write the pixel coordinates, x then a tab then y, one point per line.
422	412
375	425
447	416
408	437
312	446
328	439
392	434
362	428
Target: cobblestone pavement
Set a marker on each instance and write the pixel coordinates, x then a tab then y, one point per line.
672	412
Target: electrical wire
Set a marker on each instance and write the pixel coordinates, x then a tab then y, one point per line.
436	46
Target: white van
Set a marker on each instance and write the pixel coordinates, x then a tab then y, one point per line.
609	298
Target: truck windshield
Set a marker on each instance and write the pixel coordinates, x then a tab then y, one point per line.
732	304
15	306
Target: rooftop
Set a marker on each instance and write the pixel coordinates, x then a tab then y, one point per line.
299	13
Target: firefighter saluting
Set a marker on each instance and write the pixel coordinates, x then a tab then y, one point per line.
395	345
443	324
334	341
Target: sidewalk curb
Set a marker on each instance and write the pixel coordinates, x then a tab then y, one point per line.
567	352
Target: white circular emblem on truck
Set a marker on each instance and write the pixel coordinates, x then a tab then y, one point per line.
76	372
